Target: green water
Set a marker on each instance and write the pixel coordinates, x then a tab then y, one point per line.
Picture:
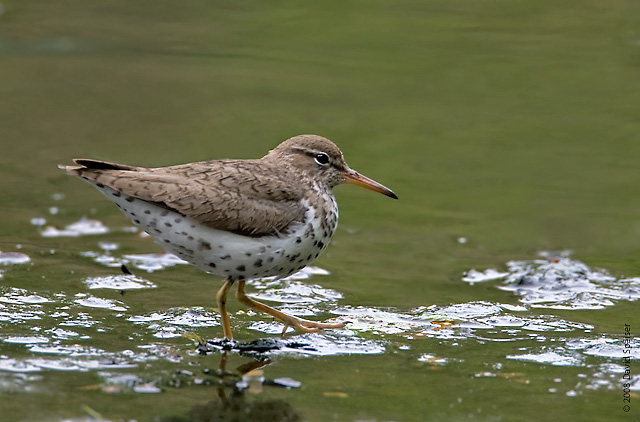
511	124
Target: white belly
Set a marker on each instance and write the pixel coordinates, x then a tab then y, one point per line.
224	253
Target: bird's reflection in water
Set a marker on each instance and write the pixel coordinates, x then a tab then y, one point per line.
237	395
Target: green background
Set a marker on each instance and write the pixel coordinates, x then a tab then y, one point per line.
513	124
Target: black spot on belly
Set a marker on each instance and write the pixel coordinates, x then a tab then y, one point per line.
164	213
258	263
212	264
136	221
241	268
225	257
177	220
147	212
116	194
204	245
100	185
320	244
248	254
168	224
166	241
298	240
129	199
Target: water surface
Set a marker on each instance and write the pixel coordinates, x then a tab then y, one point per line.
497	288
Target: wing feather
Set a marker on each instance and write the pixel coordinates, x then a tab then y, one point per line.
246	197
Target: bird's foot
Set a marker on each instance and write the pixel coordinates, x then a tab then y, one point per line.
308	326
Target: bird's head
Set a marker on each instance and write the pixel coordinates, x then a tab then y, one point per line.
321	160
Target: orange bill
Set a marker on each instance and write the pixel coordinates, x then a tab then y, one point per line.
355	178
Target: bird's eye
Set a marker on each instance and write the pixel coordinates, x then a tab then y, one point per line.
322	159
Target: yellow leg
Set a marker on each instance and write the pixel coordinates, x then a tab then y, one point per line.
289	321
222	306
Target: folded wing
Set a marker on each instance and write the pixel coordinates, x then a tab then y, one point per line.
231	195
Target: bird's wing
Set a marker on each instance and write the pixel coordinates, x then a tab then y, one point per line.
247	197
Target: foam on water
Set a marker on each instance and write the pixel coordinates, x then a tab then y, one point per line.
119	282
474	276
292	291
54	329
557	357
454	321
328	344
147	262
63	364
96	302
11	258
82	227
559	282
26	339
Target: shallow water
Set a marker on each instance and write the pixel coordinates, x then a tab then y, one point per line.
498	287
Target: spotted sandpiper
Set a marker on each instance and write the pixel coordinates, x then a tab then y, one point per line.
240	219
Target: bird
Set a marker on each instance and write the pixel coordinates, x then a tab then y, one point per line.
240	219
